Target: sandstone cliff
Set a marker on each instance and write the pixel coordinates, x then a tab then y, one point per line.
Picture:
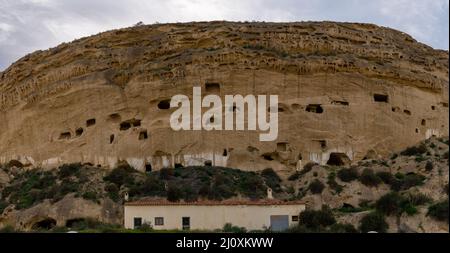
345	90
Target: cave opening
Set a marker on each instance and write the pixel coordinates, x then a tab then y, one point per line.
45	224
111	139
338	159
65	136
148	167
143	135
164	104
90	122
79	132
75	222
212	87
314	108
380	98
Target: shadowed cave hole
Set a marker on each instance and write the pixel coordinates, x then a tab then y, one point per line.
380	98
79	132
111	138
90	122
164	104
314	108
45	224
65	136
212	87
143	135
338	159
148	167
407	112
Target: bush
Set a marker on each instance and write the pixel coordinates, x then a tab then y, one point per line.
368	178
67	170
166	173
439	211
229	228
343	228
390	204
174	193
373	222
307	168
414	151
317	219
348	175
405	182
3	205
90	196
386	177
122	175
316	187
272	179
333	184
113	192
418	199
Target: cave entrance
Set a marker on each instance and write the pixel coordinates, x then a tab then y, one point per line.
79	132
90	122
338	159
143	135
212	87
164	104
65	136
314	108
45	224
148	167
380	98
75	222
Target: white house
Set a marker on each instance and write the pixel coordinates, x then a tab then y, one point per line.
210	215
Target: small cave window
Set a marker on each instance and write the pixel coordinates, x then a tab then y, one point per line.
417	130
45	224
344	103
15	163
164	104
314	108
143	135
395	109
208	163
323	143
90	122
338	159
212	87
65	136
444	104
407	112
268	156
424	122
380	98
282	146
178	165
148	167
225	152
433	107
111	139
300	157
79	132
125	126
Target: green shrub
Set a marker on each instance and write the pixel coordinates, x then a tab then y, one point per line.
390	204
373	222
439	211
67	170
348	175
386	177
229	228
3	205
317	219
333	184
418	199
113	192
166	173
429	166
272	179
307	168
90	195
121	175
414	151
368	178
316	187
174	193
405	182
343	228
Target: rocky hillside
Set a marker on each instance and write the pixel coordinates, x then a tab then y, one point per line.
345	90
408	192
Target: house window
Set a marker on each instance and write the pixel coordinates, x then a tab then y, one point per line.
137	222
186	223
295	218
159	221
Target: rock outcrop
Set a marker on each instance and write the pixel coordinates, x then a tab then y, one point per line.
345	90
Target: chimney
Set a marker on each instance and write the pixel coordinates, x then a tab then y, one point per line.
269	193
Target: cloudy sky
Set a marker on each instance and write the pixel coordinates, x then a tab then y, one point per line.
29	25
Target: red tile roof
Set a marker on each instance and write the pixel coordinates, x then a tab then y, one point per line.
164	202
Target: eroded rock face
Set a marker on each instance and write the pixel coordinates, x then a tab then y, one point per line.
348	89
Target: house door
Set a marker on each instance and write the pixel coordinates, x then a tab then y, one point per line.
186	222
279	222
